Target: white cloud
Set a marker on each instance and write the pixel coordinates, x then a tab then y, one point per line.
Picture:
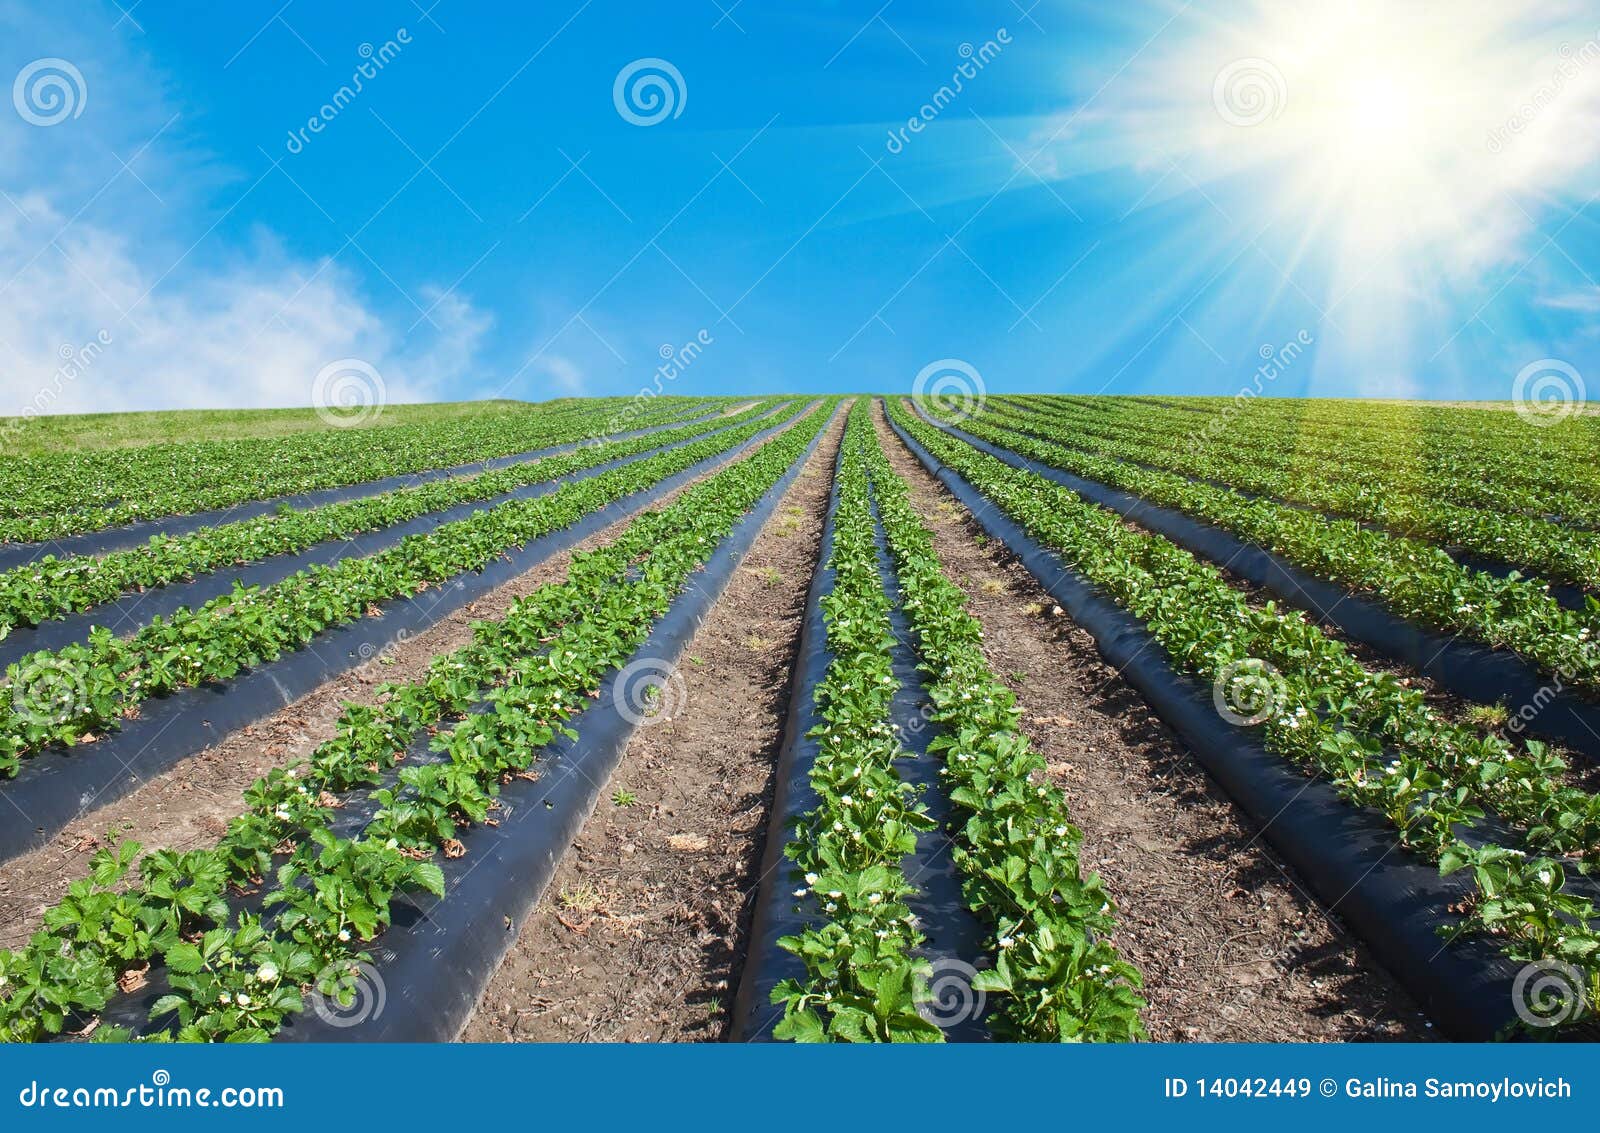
563	373
89	248
1586	302
252	334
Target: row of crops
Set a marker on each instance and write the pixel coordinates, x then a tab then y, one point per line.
1045	926
62	697
1351	605
48	497
1416	578
229	942
1512	813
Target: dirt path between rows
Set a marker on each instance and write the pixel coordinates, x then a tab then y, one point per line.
188	806
1232	946
641	935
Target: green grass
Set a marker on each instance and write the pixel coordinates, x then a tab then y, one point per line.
94	431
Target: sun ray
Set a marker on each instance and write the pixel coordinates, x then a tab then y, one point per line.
1398	153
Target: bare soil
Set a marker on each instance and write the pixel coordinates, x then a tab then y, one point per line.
1232	945
641	935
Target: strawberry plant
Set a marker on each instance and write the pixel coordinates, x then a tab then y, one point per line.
1375	449
1376	739
328	896
1058	974
1518	532
108	677
862	983
47	497
1418	581
52	587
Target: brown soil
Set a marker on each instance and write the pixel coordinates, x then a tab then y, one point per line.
1232	946
188	806
641	934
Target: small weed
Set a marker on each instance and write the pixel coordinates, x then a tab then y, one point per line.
623	797
1488	715
581	898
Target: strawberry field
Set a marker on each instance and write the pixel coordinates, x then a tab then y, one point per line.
808	719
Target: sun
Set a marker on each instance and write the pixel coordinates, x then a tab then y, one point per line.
1370	121
1384	158
1380	117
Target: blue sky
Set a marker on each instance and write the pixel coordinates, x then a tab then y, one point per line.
1142	197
